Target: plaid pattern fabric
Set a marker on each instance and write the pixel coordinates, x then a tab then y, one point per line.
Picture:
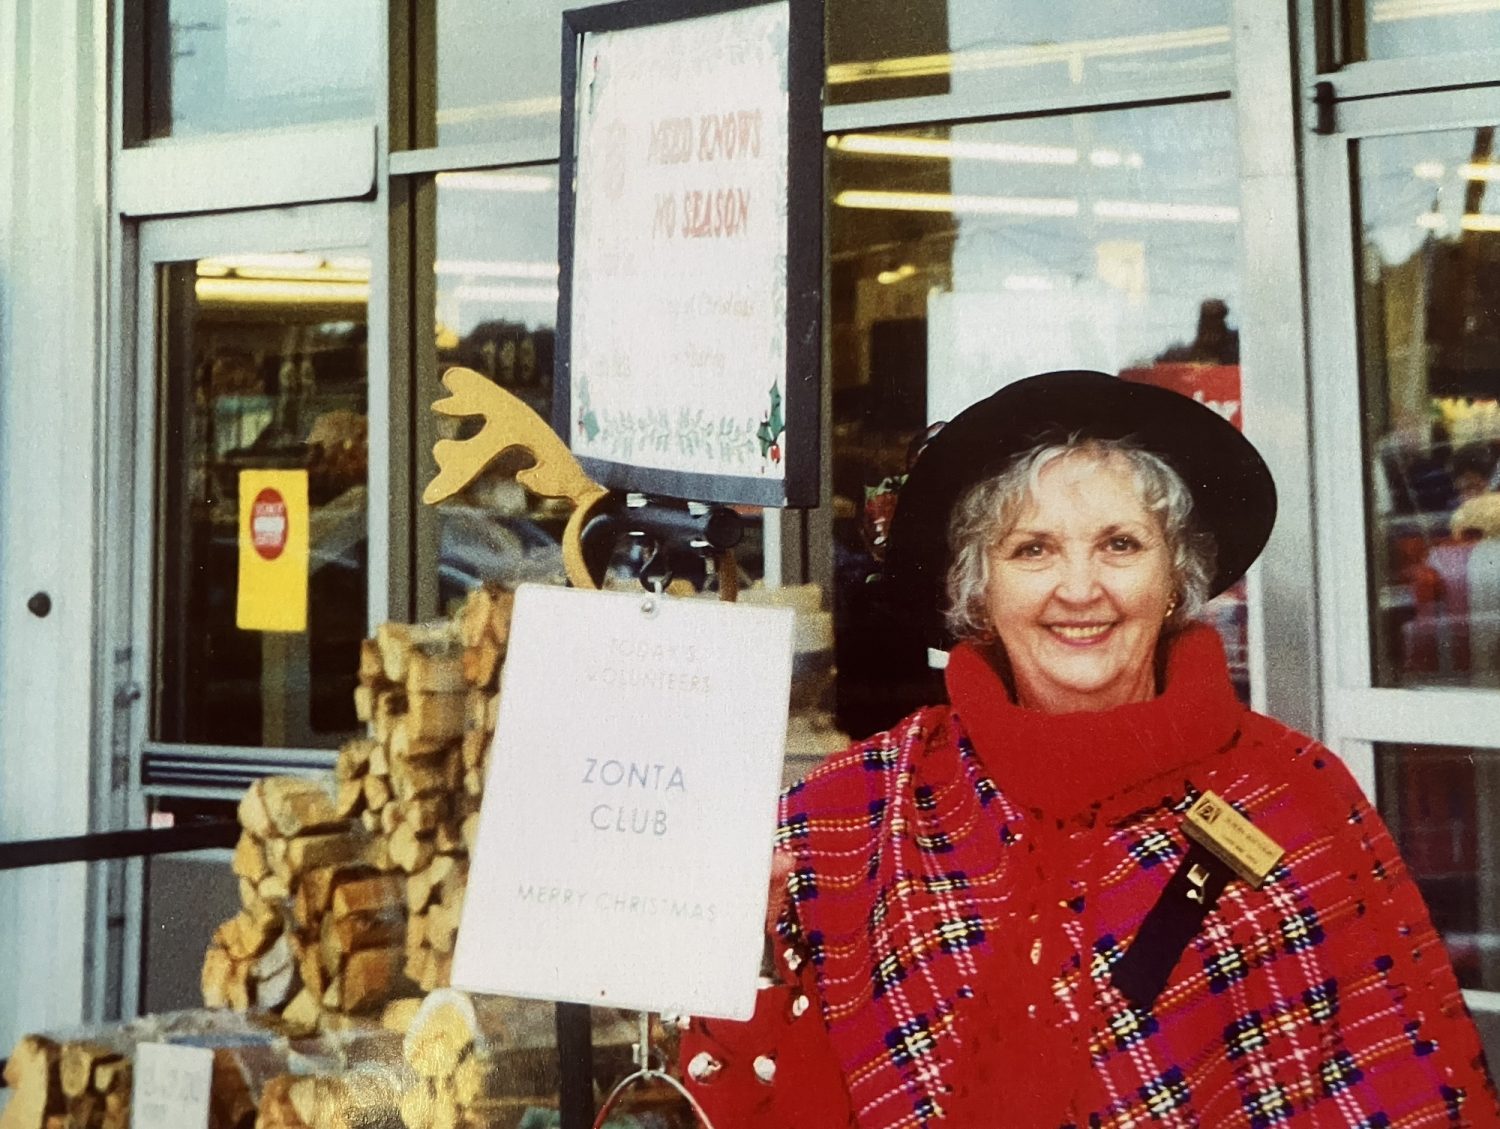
962	945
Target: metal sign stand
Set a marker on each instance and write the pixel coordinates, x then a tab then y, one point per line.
645	1075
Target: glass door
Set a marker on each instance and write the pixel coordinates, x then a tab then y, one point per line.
1405	285
252	534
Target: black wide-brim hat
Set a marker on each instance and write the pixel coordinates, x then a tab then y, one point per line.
1234	497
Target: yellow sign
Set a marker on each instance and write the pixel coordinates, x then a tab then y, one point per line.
1238	843
273	551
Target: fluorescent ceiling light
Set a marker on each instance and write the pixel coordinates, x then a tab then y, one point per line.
1134	210
901	273
1389	11
497	181
1183	213
1074	53
1481	171
1429	170
295	267
1433	221
489	111
888	145
499	268
957	205
542	295
255	291
1481	221
291	260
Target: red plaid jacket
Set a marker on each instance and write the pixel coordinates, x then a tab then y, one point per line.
961	888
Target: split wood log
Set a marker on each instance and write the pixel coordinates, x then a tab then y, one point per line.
369	894
371	977
371	669
249	858
397	641
31	1072
389	705
377	790
77	1063
434	717
474	749
348	844
301	1015
350	799
354	758
299	805
437	670
423	886
409	850
398	1014
481	664
364	703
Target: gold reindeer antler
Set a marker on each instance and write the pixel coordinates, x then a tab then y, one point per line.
508	423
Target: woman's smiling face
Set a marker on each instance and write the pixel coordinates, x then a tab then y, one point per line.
1079	588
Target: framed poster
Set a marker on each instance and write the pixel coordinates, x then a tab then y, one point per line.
690	296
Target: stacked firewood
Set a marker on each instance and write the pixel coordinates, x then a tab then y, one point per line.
362	1092
66	1085
301	843
351	888
481	1062
429	694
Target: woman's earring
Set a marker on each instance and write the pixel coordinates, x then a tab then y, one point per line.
1171	607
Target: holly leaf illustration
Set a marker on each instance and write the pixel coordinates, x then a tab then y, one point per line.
771	427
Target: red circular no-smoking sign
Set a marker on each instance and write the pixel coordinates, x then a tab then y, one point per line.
268	524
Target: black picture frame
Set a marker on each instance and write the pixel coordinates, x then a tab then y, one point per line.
802	398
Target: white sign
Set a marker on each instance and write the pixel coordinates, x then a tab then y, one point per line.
171	1086
679	295
625	841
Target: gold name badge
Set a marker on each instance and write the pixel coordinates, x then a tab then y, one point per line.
1233	839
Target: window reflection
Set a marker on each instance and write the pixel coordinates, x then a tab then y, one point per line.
1429	296
496	305
497	71
263	368
880	49
966	257
1436	801
221	66
1391	29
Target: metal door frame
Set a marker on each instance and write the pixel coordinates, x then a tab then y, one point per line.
1357	714
131	646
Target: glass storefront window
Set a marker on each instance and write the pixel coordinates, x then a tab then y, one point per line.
965	257
498	77
496	309
262	367
1429	304
1439	804
879	49
227	66
1400	29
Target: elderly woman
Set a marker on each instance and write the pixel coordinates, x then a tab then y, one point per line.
1093	890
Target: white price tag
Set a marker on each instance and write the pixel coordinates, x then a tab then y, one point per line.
625	842
171	1086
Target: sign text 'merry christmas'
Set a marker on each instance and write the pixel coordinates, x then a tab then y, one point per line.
614	902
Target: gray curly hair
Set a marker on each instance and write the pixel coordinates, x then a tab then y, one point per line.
989	510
